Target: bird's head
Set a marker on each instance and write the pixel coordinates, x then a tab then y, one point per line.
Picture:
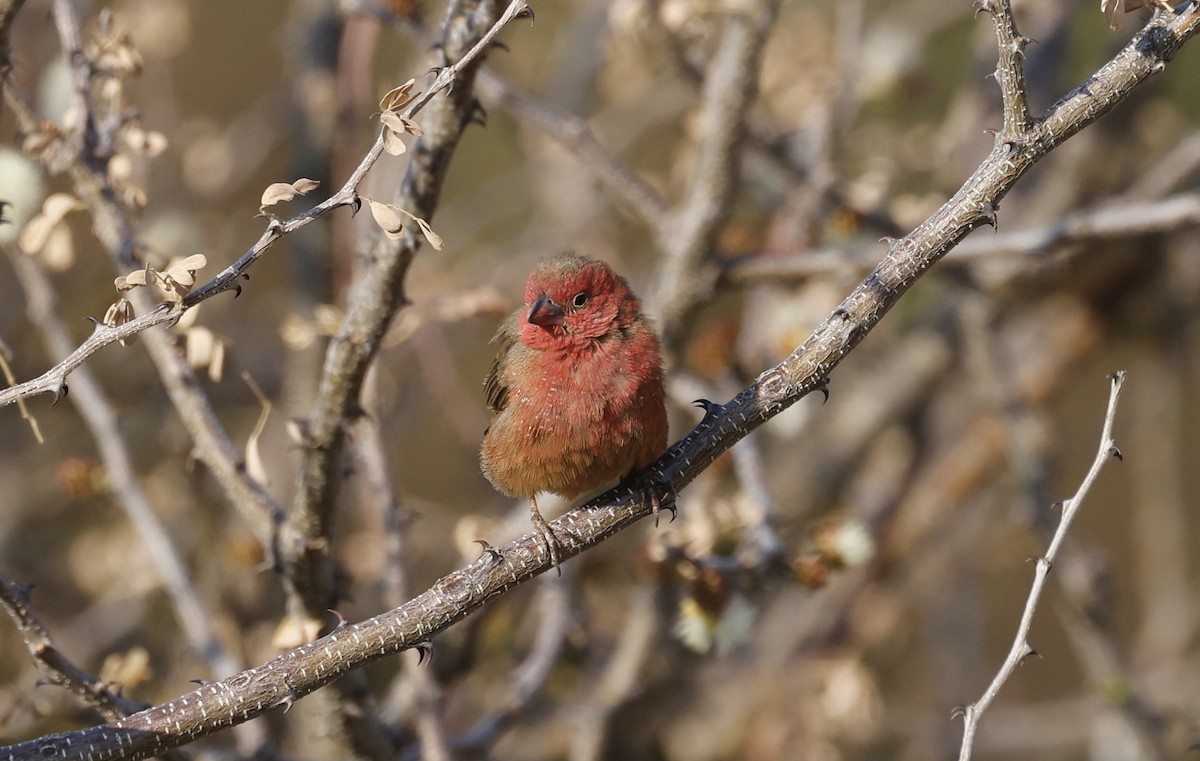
575	298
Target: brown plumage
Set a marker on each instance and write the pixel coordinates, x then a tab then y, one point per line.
576	390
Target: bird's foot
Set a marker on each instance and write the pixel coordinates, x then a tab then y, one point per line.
659	492
543	527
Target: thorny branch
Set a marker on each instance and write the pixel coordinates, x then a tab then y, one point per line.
294	674
1020	648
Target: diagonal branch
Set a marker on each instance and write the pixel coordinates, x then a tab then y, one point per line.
1021	649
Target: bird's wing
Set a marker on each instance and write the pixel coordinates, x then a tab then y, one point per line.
495	387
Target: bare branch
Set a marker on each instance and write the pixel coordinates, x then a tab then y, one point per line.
1108	221
58	668
687	275
1020	648
374	298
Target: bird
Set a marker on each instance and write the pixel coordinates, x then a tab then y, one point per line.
576	389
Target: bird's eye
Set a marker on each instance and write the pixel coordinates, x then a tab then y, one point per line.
579	300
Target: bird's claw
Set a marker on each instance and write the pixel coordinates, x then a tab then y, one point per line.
552	544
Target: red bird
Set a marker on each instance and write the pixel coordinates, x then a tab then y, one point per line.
576	390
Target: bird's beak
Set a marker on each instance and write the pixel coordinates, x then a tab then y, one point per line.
545	312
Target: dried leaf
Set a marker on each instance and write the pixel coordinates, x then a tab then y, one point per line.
304	186
434	239
130	669
276	192
411	127
199	346
59	252
254	462
135	279
397	97
181	276
294	631
216	368
387	216
392	143
392	121
36	232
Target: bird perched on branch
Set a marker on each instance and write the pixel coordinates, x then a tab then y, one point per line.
576	389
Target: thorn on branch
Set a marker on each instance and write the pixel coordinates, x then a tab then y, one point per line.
824	389
490	552
60	393
341	619
498	45
526	12
987	215
960	711
424	650
710	408
1114	451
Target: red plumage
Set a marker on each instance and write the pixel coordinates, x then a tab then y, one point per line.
576	390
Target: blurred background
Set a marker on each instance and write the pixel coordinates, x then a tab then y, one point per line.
835	585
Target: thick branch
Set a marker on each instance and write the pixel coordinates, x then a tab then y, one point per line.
375	296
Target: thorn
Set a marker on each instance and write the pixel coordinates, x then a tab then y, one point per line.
1057	505
286	701
60	393
710	408
355	205
424	650
489	551
959	712
95	323
824	389
199	682
237	289
341	619
526	12
498	45
988	216
1113	451
1031	653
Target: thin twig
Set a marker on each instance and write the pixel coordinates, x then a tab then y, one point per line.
58	668
53	380
1021	649
102	422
